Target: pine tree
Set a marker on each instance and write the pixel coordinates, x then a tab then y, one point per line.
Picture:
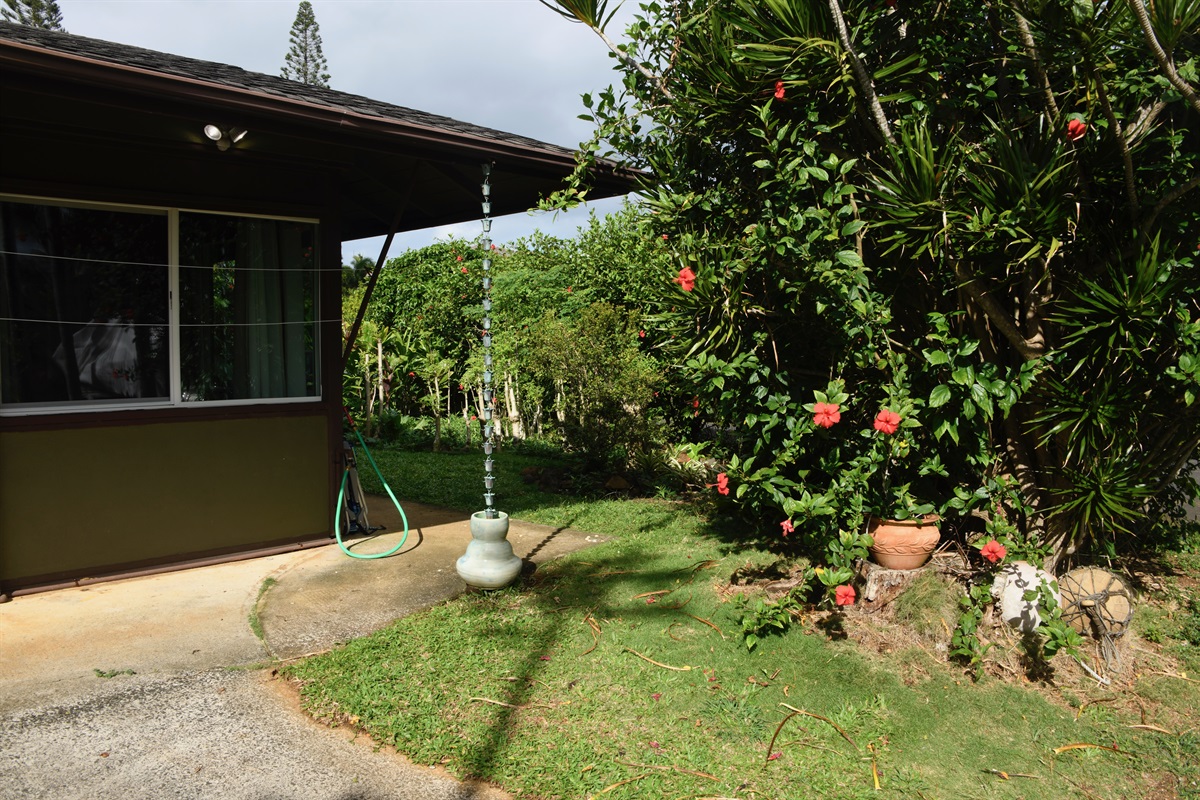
43	14
305	62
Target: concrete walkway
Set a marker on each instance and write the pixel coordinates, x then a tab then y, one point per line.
157	687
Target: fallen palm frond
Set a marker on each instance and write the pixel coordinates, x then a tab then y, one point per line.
874	765
706	622
657	663
797	711
1088	746
1152	728
658	593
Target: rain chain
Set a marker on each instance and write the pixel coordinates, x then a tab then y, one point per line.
489	429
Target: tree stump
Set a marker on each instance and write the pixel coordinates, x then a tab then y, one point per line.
881	586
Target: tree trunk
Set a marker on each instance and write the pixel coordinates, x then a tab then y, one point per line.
369	391
514	414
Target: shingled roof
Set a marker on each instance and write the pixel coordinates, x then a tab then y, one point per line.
394	134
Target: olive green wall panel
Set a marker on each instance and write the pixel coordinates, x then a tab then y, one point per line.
85	499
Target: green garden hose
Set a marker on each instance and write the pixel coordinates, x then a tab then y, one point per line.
337	512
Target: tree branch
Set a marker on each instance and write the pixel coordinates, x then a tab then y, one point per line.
1130	188
1164	61
1170	197
593	15
860	73
1029	349
1032	51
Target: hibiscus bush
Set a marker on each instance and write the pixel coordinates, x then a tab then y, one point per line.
979	217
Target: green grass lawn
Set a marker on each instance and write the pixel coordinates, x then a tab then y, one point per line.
619	672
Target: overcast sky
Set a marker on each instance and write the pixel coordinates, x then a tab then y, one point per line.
512	65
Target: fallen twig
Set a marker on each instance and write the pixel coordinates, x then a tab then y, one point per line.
874	766
608	789
1101	680
1087	703
595	626
836	727
658	593
1152	728
1006	775
671	767
657	663
678	606
493	702
510	705
796	711
1176	675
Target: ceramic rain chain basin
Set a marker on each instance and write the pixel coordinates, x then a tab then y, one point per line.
489	562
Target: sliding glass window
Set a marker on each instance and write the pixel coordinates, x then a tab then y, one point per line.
87	320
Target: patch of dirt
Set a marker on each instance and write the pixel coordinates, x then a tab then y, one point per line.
1064	681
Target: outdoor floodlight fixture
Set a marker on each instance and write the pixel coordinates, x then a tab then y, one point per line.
224	138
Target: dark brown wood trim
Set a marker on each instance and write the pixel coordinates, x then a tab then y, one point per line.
66	580
149	416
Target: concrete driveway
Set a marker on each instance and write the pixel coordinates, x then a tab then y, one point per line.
157	687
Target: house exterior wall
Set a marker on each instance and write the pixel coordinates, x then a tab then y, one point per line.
84	493
76	502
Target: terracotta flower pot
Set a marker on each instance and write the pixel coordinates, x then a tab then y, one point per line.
903	544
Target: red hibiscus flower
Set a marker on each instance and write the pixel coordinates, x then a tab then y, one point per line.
1076	130
827	414
641	334
778	90
464	270
460	258
412	374
844	595
787	526
722	483
887	421
664	237
686	279
993	551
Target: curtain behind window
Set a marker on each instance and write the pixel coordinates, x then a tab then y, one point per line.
247	308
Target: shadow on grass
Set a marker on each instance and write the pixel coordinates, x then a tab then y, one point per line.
554	596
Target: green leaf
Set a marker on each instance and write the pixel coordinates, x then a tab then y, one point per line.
939	396
854	226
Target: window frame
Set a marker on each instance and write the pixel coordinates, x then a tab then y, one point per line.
174	401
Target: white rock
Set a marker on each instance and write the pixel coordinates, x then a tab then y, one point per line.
1009	589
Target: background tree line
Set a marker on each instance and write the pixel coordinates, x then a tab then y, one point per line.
575	364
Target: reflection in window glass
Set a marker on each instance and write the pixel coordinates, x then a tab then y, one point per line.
247	308
83	304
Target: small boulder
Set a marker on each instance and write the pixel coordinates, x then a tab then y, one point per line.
1009	588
